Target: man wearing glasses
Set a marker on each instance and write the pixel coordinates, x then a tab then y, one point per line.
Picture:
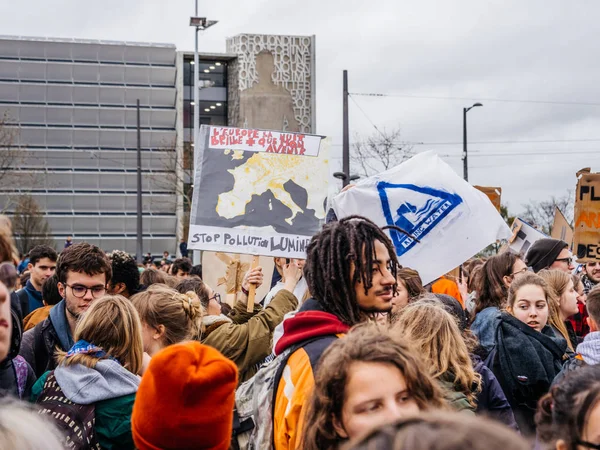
550	254
83	272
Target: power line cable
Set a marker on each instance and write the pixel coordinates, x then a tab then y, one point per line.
431	97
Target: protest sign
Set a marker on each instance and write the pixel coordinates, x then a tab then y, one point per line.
427	199
493	193
258	192
224	272
523	237
587	217
561	229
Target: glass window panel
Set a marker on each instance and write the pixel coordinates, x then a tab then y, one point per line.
85	94
32	93
62	137
85	138
30	70
9	70
9	92
58	115
59	94
59	71
111	74
85	73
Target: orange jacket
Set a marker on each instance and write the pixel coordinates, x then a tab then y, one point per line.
36	316
311	330
448	287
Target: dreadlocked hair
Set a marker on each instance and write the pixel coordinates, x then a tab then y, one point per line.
340	257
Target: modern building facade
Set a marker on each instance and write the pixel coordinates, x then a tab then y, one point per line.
74	104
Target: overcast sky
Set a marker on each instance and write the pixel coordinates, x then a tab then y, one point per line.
530	51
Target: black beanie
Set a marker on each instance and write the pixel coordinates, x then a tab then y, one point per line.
543	253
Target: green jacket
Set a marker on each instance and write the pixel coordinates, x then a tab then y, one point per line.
113	418
457	400
248	339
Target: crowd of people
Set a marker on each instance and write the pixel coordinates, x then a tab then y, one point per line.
348	350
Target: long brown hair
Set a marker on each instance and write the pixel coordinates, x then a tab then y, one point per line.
113	324
491	289
558	281
411	280
434	333
364	343
180	314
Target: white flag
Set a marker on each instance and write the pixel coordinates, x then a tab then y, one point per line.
426	198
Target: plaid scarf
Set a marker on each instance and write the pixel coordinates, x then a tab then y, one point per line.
588	284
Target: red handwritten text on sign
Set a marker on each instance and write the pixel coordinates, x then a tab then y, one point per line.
264	141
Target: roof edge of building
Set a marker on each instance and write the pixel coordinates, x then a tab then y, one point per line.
85	41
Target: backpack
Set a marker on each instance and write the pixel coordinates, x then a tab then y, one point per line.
23	297
21	373
76	422
253	416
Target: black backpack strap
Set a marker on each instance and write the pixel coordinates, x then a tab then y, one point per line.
39	348
24	302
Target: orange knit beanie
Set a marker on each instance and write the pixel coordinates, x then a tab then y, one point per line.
185	400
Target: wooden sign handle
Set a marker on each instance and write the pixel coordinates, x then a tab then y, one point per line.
252	290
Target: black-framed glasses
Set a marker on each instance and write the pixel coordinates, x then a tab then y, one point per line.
521	272
216	297
79	291
587	444
568	260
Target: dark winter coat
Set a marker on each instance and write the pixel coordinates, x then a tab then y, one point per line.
40	343
8	371
525	362
491	401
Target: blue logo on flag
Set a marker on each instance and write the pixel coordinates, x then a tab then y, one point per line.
418	212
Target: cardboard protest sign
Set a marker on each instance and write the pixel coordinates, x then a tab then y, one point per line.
224	273
587	217
427	199
258	192
493	193
561	229
523	237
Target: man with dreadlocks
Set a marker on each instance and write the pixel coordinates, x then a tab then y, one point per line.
351	274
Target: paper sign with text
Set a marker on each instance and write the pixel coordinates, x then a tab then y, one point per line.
258	192
587	217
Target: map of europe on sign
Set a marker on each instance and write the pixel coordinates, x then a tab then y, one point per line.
258	192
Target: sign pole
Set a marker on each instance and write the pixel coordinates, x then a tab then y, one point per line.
252	290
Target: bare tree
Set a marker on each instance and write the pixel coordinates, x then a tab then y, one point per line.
30	227
541	214
176	174
10	155
380	151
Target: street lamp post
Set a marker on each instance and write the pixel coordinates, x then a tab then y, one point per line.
464	156
200	23
345	178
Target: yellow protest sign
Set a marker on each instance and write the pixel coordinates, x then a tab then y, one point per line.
587	217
